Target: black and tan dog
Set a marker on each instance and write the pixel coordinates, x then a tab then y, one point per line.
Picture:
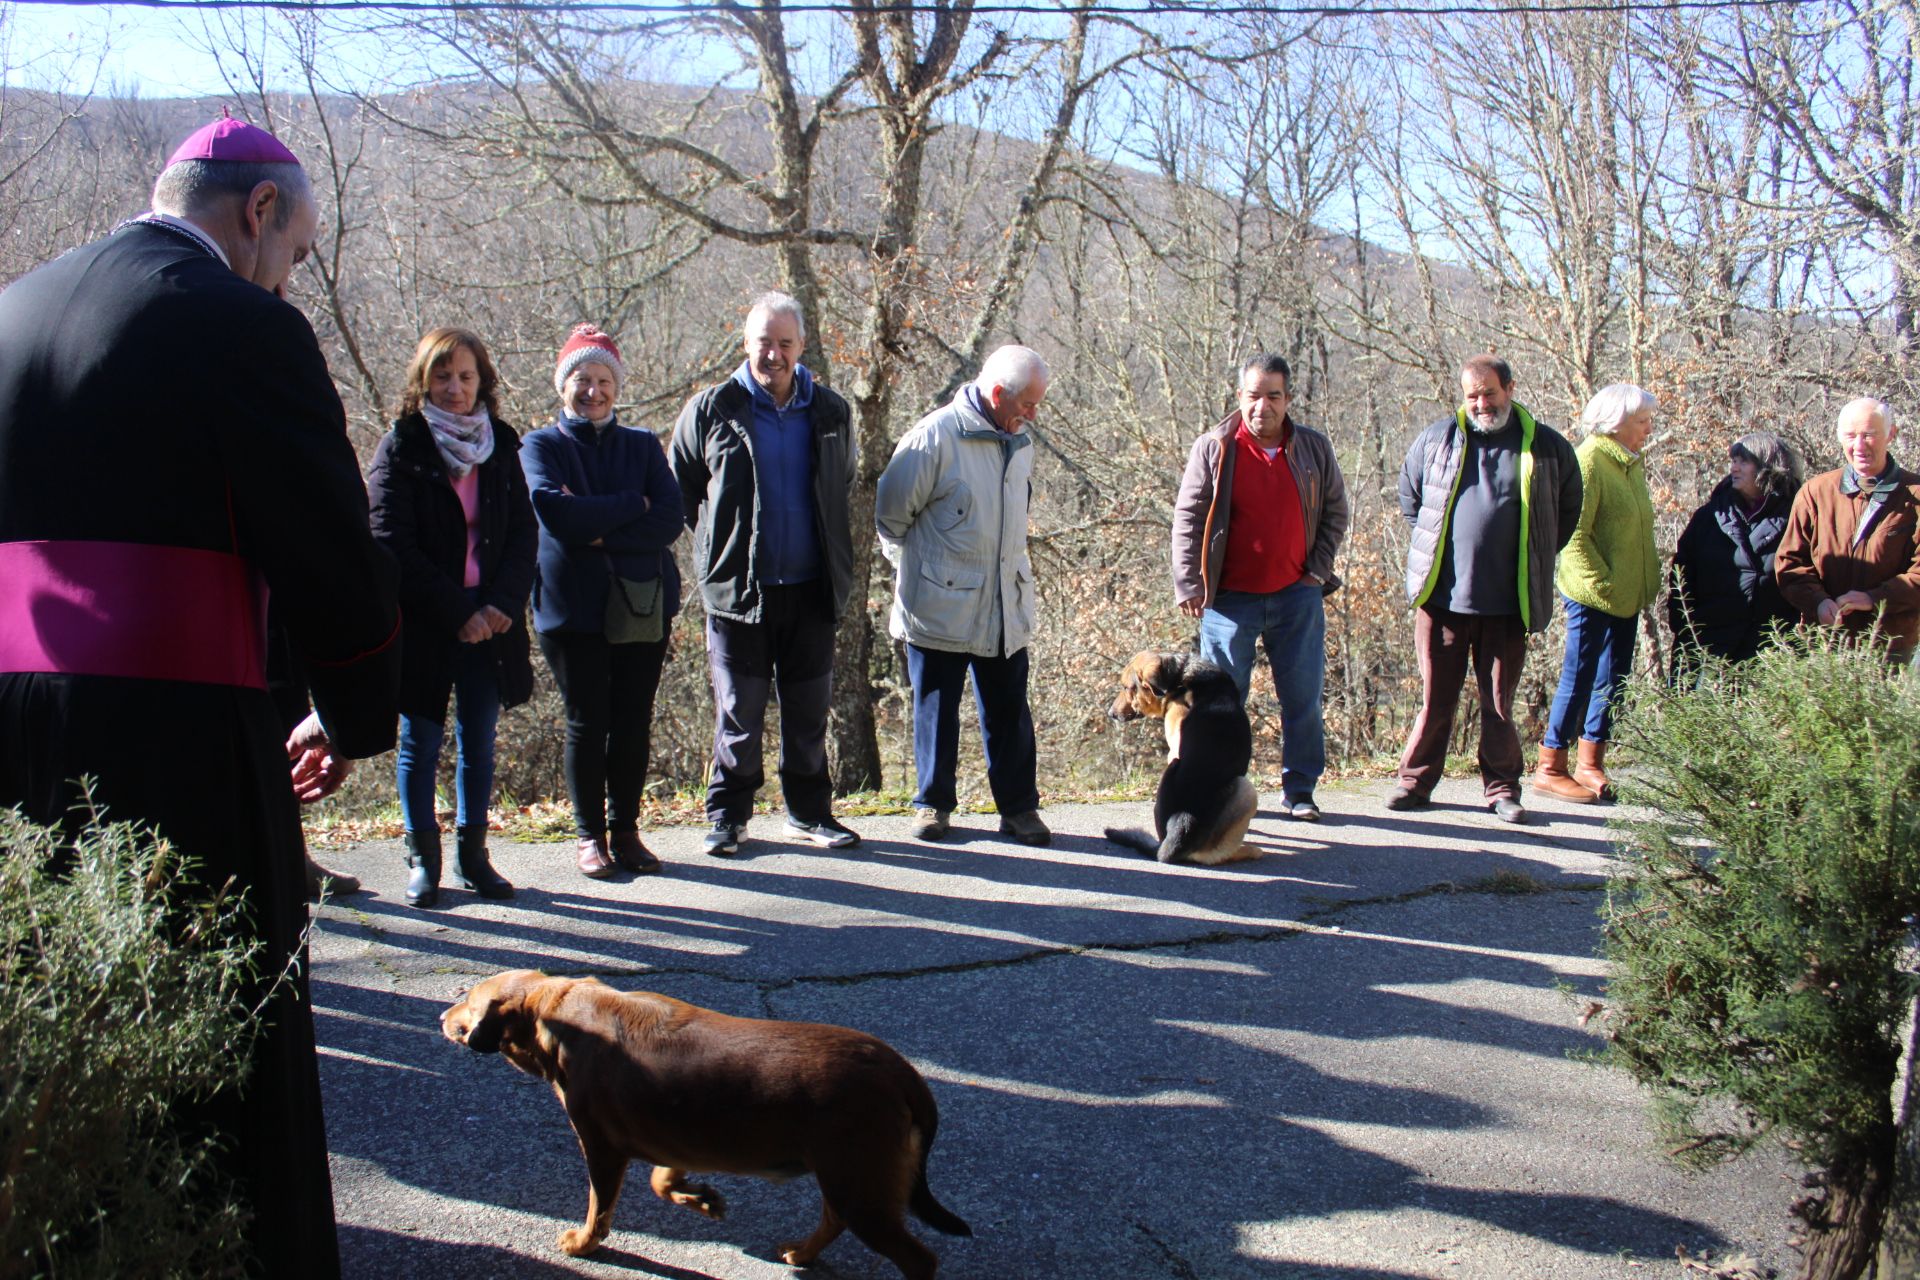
1205	802
648	1077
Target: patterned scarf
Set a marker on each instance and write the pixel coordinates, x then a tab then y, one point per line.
465	440
1877	492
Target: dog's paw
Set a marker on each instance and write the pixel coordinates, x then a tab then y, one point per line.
795	1253
577	1242
702	1199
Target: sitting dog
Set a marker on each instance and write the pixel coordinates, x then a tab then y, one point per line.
647	1077
1205	802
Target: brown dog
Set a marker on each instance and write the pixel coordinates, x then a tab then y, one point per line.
648	1077
1205	802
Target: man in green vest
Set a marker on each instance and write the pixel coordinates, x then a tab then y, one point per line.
1491	495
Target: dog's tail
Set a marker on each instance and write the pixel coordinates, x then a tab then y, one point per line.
1138	841
932	1212
920	1200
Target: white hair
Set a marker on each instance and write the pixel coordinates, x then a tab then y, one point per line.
1013	369
1612	406
775	303
187	187
1877	408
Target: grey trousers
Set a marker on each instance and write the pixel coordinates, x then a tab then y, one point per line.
789	653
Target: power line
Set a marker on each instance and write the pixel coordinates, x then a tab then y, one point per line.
1151	9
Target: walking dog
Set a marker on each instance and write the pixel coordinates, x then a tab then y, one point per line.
648	1077
1203	806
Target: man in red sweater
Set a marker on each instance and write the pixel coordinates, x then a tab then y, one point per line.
1261	513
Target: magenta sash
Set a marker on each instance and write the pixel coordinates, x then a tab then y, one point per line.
127	609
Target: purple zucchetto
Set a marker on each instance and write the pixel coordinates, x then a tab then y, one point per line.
236	140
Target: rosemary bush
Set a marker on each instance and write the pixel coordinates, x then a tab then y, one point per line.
120	988
1759	915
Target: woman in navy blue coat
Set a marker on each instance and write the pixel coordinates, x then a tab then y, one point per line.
450	502
1721	596
605	592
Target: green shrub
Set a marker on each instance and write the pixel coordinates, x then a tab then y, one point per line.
1758	920
119	998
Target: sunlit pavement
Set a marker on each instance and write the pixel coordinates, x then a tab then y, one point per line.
1355	1057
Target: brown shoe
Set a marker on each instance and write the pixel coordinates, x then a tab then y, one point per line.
632	853
1026	828
931	824
595	861
1551	778
337	884
1591	769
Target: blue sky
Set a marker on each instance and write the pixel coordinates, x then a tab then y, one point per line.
156	52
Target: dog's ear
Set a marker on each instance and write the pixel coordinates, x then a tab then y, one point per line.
505	1010
492	1027
1169	673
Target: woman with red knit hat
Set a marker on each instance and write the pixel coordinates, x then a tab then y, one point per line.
605	592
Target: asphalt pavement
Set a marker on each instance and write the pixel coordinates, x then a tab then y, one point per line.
1359	1057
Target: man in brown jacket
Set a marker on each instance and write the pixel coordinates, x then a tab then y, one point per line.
1261	512
1850	557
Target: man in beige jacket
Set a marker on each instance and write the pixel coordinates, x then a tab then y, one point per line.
951	511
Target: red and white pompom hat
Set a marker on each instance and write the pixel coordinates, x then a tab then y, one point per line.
587	345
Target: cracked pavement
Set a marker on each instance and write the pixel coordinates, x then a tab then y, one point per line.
1351	1059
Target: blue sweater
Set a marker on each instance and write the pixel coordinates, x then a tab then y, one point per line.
783	474
619	492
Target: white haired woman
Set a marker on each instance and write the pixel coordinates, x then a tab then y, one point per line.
1608	573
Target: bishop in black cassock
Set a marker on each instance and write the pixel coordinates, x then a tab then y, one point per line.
172	451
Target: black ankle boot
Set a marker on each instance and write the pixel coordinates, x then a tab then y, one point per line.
475	869
423	856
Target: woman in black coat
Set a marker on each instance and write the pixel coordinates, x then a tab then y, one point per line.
1721	596
450	502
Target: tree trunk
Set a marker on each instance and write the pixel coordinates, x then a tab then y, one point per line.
855	734
1900	1236
1844	1224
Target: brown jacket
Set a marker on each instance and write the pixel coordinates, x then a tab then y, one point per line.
1818	561
1206	493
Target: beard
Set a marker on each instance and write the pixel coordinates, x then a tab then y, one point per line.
1492	425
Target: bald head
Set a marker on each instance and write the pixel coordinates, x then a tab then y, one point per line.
1866	433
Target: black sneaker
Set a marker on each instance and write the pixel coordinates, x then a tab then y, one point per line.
724	840
827	833
1303	809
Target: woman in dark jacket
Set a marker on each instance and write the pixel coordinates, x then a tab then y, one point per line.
605	592
450	502
1721	595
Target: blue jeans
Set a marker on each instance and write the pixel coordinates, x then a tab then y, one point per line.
476	709
1292	625
1599	659
1006	727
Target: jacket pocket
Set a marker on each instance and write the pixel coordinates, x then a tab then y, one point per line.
945	602
950	511
1026	604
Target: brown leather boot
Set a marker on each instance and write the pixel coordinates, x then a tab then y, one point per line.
595	861
1591	769
1550	778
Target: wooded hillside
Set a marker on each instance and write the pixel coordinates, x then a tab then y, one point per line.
1719	206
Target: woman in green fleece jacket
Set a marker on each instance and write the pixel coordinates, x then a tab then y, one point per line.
1608	573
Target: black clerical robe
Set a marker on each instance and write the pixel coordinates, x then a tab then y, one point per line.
172	451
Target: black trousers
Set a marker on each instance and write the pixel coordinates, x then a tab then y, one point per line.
788	652
608	690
